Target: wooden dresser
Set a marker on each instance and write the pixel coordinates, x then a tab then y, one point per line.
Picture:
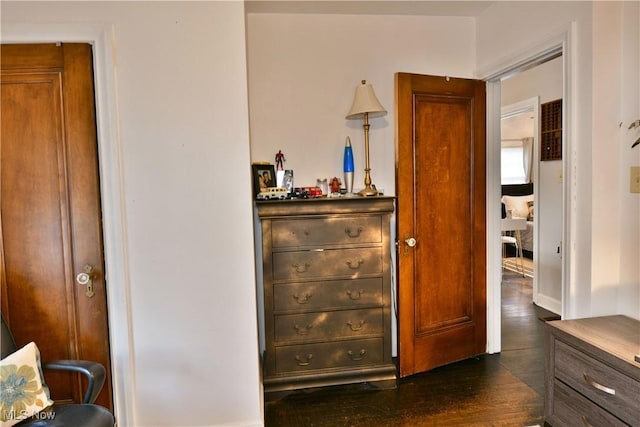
591	376
327	291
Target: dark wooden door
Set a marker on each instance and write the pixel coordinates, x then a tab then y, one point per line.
50	223
440	220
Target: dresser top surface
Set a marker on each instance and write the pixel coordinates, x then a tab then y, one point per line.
326	205
618	335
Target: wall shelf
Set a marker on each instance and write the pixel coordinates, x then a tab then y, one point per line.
551	130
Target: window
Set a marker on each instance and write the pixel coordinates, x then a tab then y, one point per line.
512	163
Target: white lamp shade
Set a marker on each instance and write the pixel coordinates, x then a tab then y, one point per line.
365	101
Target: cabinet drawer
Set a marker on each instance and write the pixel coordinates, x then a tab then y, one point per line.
326	231
327	263
331	294
572	409
588	376
328	325
335	355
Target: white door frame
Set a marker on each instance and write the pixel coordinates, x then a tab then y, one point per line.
112	194
563	43
532	106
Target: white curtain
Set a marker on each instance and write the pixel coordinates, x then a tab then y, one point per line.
527	158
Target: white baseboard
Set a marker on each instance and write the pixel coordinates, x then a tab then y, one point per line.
549	303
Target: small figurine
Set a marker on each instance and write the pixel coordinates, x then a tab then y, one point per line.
335	185
280	160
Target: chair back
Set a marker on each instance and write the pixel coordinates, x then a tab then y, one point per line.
7	344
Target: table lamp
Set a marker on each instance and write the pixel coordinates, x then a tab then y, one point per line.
366	104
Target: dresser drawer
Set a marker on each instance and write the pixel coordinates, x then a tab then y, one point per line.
570	408
335	355
614	391
327	263
327	231
310	296
328	325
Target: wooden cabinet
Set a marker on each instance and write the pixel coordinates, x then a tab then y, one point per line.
327	291
592	377
551	130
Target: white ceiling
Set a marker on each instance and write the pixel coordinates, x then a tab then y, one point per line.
470	8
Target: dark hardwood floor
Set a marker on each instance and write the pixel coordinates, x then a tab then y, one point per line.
503	389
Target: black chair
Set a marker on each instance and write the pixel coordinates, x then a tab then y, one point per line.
85	414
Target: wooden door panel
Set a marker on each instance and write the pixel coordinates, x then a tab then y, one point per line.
34	230
446	245
50	209
440	189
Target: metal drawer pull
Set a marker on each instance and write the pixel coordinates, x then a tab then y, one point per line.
357	358
304	330
355	265
351	234
307	362
301	268
600	387
302	300
355	328
353	296
586	422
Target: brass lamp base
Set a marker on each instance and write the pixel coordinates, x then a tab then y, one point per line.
368	191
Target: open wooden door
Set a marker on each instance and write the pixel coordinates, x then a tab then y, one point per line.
50	213
440	179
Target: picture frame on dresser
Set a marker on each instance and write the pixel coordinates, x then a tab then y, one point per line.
263	175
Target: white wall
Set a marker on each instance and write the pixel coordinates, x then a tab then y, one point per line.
616	71
545	82
629	293
303	71
605	49
180	95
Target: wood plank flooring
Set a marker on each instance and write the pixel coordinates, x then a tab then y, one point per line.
503	389
517	264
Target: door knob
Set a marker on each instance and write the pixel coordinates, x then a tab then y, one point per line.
86	279
409	242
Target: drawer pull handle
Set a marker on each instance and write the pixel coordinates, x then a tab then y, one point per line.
586	422
354	296
301	268
355	265
302	331
600	387
351	234
357	327
302	300
357	358
307	362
